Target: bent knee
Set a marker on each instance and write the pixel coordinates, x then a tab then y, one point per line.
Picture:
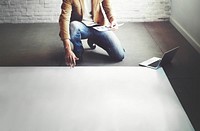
118	57
74	25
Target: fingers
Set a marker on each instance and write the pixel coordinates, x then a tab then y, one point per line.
114	25
71	61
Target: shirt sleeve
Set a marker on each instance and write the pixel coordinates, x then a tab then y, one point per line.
108	10
64	19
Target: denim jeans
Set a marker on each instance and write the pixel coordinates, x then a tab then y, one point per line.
104	39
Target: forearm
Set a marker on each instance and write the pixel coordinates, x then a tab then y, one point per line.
108	10
67	45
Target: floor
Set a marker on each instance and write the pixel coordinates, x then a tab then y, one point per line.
40	45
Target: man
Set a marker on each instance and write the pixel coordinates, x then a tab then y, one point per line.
77	19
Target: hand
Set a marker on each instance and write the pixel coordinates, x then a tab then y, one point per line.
70	58
114	25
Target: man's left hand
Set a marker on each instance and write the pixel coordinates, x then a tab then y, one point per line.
114	25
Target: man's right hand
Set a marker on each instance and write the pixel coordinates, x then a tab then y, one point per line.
70	58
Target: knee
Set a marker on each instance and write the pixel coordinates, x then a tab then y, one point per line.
118	56
74	28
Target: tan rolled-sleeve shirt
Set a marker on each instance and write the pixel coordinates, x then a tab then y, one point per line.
72	10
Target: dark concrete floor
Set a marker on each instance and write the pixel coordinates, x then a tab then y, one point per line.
40	45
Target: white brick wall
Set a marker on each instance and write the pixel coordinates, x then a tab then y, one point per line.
142	10
37	11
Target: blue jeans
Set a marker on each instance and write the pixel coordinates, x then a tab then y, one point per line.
106	40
